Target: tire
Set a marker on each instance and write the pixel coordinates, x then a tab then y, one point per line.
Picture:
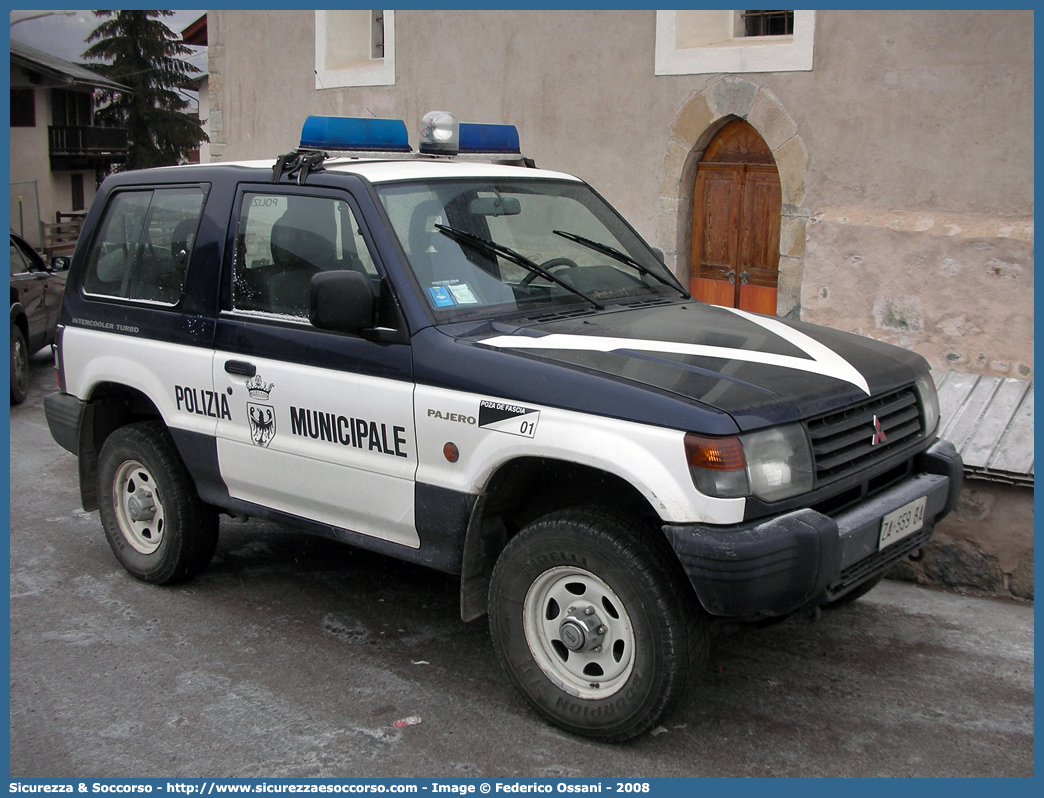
595	623
856	594
19	366
156	524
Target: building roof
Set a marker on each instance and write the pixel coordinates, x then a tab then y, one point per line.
59	69
196	32
990	421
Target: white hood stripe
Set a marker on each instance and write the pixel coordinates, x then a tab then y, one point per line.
823	360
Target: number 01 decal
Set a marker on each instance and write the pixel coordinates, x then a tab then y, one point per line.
513	419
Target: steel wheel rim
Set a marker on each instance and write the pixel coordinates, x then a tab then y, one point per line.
563	593
20	362
139	510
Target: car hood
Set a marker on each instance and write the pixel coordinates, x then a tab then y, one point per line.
759	370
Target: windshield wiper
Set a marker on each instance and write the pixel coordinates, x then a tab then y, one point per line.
493	248
627	260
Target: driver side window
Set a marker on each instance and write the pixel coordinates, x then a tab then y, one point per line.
283	241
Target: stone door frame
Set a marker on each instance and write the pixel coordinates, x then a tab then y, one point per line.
696	124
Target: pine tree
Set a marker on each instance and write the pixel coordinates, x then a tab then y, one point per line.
138	50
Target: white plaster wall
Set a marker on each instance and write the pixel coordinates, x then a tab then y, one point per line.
30	161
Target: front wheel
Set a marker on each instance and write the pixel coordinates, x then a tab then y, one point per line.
594	623
156	524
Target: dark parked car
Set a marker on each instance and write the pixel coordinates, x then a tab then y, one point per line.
36	299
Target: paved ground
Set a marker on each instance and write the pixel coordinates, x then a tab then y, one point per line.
294	656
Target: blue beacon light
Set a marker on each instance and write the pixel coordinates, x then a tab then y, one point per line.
442	134
354	133
488	138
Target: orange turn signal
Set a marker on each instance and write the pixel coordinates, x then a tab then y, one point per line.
716	454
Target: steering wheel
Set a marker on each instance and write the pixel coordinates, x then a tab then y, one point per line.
547	265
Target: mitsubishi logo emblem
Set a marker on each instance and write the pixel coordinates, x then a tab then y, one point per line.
879	434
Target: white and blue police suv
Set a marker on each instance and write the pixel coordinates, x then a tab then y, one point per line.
477	365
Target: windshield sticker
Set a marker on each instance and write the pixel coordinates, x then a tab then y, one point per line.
440	296
463	294
821	359
512	419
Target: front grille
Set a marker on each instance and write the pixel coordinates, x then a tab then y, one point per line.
845	442
878	561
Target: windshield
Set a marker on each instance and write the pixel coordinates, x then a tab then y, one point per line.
479	247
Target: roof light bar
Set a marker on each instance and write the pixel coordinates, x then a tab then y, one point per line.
439	134
442	134
354	133
489	138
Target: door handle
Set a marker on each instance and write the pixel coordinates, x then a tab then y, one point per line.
743	277
240	367
732	276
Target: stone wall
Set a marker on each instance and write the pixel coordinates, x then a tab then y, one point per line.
985	544
955	288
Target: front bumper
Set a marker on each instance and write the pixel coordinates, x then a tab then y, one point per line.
776	566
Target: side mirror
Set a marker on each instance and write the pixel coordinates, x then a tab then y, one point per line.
658	253
341	301
59	263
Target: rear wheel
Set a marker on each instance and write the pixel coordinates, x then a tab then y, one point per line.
594	623
156	524
19	366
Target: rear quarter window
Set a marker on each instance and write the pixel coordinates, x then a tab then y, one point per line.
144	245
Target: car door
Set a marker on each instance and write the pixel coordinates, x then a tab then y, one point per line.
29	289
320	424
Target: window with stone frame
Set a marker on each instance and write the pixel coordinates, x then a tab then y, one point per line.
692	42
354	47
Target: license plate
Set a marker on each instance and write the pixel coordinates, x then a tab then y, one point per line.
902	522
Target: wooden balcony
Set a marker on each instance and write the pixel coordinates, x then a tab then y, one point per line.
86	147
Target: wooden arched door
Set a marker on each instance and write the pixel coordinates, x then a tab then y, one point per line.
735	222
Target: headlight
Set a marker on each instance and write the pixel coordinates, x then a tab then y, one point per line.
772	464
779	462
929	402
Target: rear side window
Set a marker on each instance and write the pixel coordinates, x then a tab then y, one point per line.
144	244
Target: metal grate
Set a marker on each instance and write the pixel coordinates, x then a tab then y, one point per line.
768	23
646	303
557	315
850	440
